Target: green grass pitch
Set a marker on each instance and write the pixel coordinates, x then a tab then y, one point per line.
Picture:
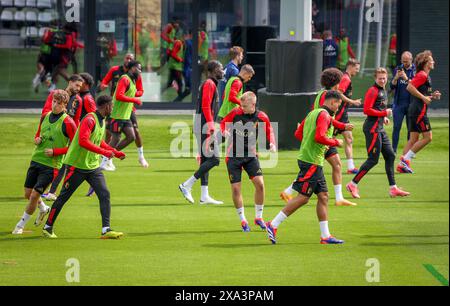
170	242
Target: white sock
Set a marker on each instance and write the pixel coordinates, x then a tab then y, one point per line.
289	190
393	187
104	230
278	219
205	193
410	155
190	182
325	232
42	206
25	218
140	152
240	212
259	209
338	192
350	164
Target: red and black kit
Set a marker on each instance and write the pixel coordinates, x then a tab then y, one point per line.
75	177
84	106
242	149
338	125
347	88
207	106
377	140
418	121
39	176
311	178
113	76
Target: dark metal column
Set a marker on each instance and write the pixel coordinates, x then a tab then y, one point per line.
195	67
90	54
403	28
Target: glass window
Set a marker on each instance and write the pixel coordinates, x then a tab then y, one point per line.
41	44
37	43
359	32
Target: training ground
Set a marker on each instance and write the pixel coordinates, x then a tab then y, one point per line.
170	242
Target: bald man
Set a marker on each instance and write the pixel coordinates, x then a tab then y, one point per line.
241	127
402	76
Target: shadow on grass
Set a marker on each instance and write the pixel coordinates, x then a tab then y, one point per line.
236	246
150	205
179	233
399	244
404	236
259	245
175	171
19	238
11	199
8	237
281	174
397	203
224	206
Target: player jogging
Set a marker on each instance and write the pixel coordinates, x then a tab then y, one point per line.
241	129
315	133
112	79
204	130
57	129
73	89
330	80
346	89
83	164
80	108
377	140
124	101
422	95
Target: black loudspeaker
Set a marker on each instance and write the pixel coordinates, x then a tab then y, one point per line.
253	40
294	66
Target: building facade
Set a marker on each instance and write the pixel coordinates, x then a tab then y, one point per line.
106	30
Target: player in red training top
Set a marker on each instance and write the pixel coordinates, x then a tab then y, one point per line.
346	89
57	130
112	79
205	132
377	140
422	95
242	128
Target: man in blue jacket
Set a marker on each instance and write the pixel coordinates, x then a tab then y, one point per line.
330	51
231	69
402	75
